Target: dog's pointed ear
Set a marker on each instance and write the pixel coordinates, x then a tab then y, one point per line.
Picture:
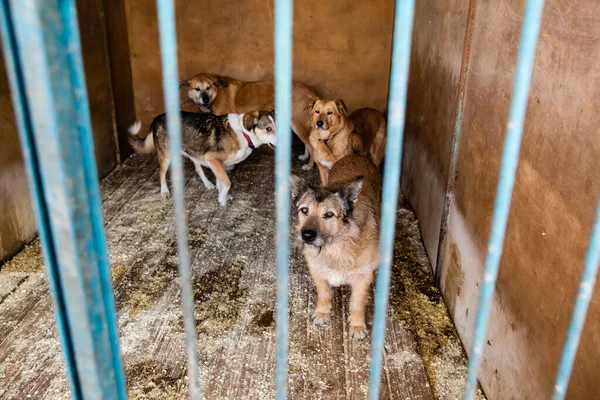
247	121
311	103
349	194
184	84
250	120
341	106
221	81
298	186
256	116
271	115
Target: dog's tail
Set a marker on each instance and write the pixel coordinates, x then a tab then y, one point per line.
145	145
377	149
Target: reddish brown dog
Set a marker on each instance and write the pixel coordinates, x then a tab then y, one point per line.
224	95
336	134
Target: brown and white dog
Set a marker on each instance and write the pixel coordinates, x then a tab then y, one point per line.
223	95
336	134
217	142
338	228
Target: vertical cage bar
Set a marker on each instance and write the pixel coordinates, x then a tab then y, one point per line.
582	302
43	56
168	51
508	167
403	20
36	189
283	153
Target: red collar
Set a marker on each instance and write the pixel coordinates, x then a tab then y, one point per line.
248	139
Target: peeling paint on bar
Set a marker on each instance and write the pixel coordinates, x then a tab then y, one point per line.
283	155
582	302
401	42
43	45
43	55
168	50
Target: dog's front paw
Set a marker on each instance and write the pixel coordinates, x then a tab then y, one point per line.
303	157
165	194
307	167
320	318
358	332
209	185
223	201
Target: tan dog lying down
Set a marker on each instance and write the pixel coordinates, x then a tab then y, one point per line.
336	134
223	95
338	228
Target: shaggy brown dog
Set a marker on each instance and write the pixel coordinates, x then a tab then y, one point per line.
336	134
338	228
223	95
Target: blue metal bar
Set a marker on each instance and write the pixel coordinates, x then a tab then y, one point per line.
168	51
403	21
582	302
508	167
21	110
43	55
283	116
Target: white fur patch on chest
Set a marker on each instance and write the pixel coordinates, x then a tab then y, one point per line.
342	275
327	164
335	277
245	150
239	155
324	135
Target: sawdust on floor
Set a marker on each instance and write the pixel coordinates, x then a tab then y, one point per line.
218	299
27	260
148	379
417	301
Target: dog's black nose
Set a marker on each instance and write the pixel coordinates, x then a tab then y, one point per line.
204	99
320	124
309	235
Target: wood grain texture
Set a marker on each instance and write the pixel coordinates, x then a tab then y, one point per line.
233	262
341	48
17	221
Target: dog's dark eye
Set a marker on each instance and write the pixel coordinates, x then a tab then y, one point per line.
329	112
208	88
317	111
304	210
328	215
197	89
269	129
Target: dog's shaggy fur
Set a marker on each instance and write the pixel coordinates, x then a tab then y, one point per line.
223	95
216	142
336	134
338	229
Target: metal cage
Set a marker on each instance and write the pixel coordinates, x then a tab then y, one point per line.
44	62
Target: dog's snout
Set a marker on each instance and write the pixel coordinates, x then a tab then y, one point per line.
204	98
308	235
320	124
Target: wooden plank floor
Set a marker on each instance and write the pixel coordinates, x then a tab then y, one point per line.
233	264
